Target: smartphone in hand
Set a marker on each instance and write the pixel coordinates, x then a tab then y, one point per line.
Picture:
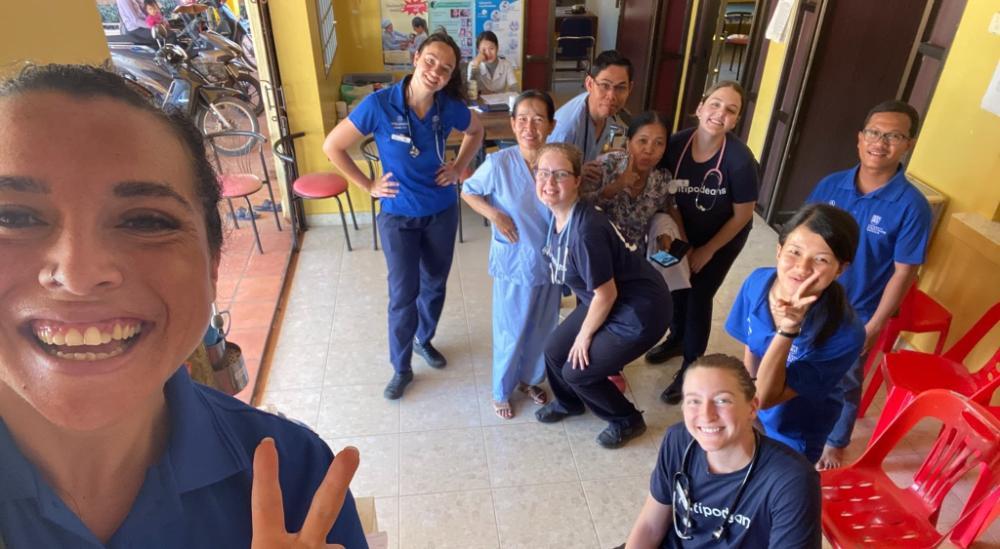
664	259
678	248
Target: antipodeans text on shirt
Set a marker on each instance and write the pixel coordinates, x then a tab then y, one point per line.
703	190
707	511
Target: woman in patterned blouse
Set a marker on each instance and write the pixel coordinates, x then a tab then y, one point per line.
634	192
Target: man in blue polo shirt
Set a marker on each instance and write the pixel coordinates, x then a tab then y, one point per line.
895	221
590	120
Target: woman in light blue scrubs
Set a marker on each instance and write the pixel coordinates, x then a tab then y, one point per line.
799	332
525	302
419	206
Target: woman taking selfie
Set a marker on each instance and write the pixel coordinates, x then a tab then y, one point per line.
418	219
110	258
799	332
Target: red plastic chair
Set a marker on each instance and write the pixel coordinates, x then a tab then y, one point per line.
910	373
918	313
863	506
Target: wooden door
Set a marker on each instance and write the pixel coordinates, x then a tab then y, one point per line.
860	54
539	22
668	58
636	40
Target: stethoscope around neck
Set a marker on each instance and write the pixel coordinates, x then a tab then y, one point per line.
713	173
559	256
436	123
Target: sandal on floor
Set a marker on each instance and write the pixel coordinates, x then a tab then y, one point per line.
503	409
536	393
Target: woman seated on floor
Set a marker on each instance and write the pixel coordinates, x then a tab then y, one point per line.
525	302
110	237
799	332
623	305
720	483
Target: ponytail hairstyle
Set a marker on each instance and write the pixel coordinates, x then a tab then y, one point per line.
455	88
840	232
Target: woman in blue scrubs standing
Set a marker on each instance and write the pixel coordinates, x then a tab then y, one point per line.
799	332
419	209
525	302
624	305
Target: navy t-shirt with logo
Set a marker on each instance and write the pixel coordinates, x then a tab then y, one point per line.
895	223
780	506
740	184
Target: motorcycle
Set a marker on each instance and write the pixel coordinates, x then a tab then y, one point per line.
175	85
221	61
216	16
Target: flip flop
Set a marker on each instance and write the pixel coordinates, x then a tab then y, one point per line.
244	214
267	206
503	409
535	393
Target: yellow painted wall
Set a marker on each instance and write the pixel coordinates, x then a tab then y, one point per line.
958	153
43	32
768	92
311	92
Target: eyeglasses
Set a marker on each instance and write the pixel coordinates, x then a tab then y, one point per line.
559	175
608	87
892	138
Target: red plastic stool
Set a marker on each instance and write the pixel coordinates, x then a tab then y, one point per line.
317	186
910	373
918	313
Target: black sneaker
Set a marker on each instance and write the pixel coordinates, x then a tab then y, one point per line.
397	385
431	355
617	434
664	351
673	393
552	412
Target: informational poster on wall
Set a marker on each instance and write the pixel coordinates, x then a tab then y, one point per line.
455	18
503	18
461	19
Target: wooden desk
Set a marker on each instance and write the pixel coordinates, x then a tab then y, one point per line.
496	124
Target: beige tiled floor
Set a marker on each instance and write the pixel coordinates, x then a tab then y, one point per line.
445	471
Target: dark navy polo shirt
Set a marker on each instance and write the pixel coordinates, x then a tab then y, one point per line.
813	371
740	184
384	114
196	496
895	223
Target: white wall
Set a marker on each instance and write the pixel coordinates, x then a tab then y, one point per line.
607	23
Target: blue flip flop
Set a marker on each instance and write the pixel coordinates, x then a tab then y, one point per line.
268	206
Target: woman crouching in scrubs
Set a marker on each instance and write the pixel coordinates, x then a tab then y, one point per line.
110	257
525	302
419	213
624	305
799	332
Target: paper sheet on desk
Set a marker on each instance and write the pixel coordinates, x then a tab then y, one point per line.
497	98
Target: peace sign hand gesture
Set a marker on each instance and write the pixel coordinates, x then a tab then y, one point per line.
793	310
267	509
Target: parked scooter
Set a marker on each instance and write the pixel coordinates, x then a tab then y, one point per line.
222	62
175	85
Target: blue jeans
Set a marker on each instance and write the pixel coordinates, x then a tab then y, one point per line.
850	386
418	253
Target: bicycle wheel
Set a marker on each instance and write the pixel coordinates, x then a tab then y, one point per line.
229	113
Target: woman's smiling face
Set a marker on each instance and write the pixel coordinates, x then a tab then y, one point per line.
107	277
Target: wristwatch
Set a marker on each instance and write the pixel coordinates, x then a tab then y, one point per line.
789	335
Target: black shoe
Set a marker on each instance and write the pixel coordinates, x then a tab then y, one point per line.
617	434
673	393
431	355
664	351
551	414
397	385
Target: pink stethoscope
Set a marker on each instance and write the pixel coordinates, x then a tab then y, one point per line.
710	174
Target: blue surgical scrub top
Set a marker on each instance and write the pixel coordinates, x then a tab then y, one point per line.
385	115
196	496
895	223
574	126
813	371
507	184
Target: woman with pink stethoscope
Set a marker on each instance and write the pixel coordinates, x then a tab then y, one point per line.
717	182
